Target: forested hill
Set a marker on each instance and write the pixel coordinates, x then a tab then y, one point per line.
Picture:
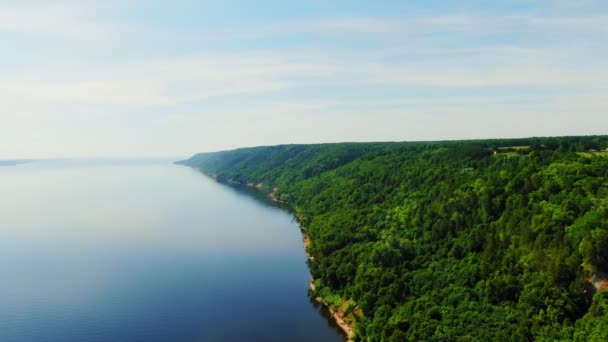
470	240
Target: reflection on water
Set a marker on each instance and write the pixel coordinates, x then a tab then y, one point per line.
147	251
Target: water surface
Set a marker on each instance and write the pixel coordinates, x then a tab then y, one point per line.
147	251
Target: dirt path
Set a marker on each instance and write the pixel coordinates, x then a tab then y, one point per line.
599	281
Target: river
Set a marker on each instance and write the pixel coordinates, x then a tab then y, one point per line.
147	251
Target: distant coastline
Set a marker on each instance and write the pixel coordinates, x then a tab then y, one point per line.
15	162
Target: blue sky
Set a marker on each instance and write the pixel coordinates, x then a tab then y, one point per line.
146	78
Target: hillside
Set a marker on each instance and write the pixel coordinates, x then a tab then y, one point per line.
461	240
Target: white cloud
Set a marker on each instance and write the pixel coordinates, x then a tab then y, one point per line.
182	80
463	23
162	82
562	54
55	20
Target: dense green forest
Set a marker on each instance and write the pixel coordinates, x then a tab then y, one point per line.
457	240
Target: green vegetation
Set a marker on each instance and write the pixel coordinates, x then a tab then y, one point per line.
470	240
594	154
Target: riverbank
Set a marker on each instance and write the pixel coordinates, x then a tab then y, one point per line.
336	314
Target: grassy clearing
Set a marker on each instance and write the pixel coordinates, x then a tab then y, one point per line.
514	148
510	151
594	154
507	155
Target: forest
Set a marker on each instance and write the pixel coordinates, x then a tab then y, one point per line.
503	239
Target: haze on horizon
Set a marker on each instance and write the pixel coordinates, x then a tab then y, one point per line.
147	78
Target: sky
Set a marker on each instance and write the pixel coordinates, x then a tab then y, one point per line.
148	78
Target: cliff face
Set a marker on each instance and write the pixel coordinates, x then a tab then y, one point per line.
486	240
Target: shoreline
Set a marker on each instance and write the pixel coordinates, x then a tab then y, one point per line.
347	330
335	315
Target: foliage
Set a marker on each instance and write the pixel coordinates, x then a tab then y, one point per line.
461	240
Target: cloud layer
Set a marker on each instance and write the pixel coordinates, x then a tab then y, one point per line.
94	78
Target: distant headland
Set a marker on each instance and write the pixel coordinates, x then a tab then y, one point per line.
15	162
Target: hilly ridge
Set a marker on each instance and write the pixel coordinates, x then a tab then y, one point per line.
457	240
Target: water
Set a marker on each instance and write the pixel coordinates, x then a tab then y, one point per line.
147	251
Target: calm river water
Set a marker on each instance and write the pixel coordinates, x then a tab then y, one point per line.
147	251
